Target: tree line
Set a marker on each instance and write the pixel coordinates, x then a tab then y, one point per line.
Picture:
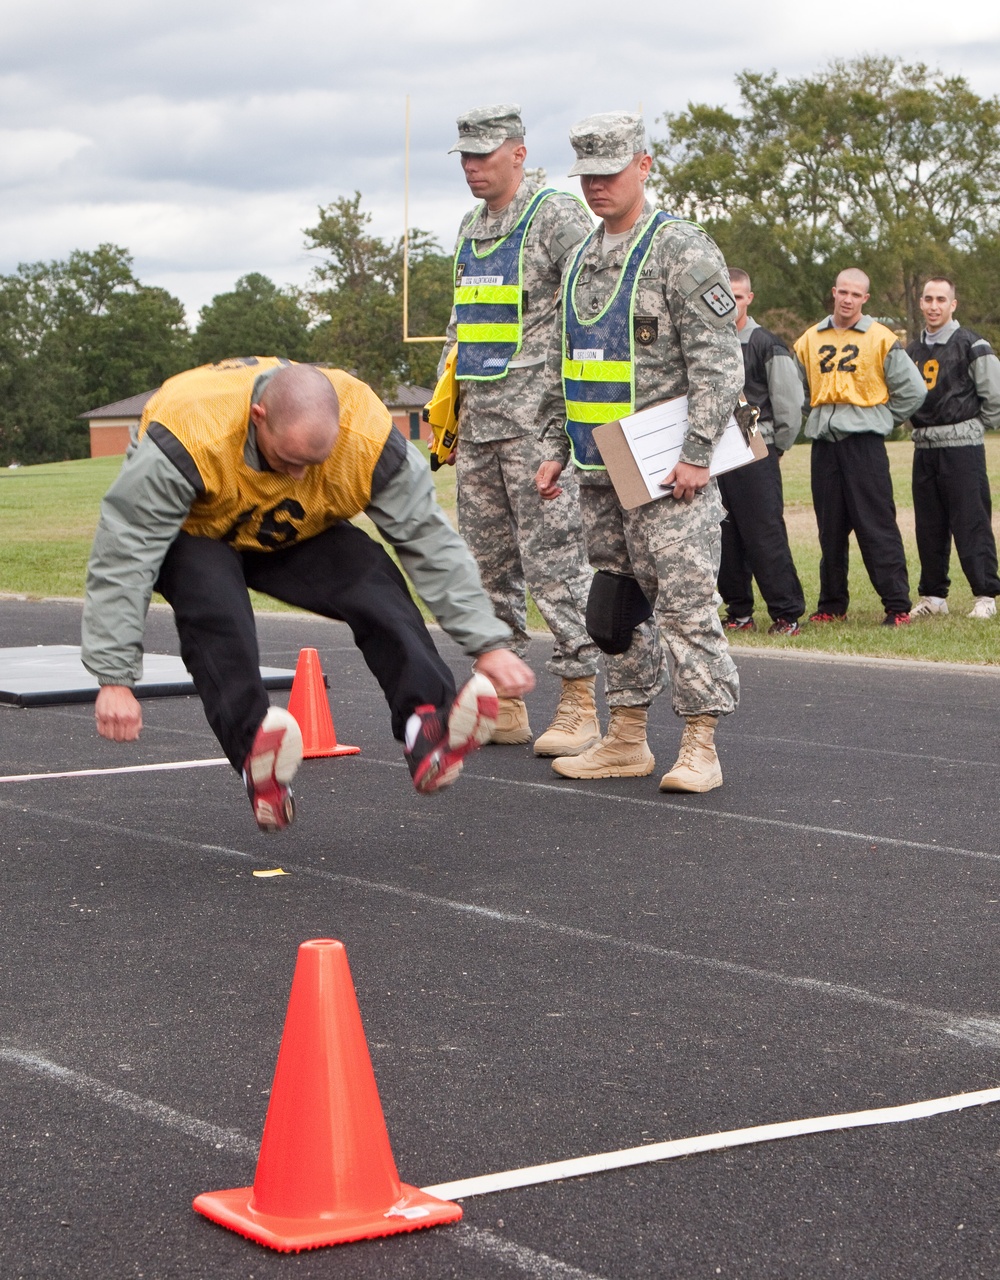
85	332
874	163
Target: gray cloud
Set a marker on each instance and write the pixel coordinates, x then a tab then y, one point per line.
204	136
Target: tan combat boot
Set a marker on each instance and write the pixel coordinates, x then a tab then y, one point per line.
575	726
697	767
512	723
622	753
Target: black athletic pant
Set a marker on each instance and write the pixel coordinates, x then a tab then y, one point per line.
755	542
342	574
852	490
951	499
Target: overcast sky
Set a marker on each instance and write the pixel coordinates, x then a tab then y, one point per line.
202	135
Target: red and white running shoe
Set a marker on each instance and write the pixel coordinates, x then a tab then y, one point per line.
269	768
435	747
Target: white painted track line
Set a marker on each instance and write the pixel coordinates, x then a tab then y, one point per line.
128	768
534	1264
697	810
497	1248
532	1176
981	1030
234	1142
489	1244
230	1140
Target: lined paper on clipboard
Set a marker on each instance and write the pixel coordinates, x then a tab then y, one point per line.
655	437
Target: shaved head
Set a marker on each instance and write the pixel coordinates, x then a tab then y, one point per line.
743	294
299	393
297	419
850	293
854	275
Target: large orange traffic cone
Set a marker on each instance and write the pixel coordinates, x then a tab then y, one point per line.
325	1173
310	706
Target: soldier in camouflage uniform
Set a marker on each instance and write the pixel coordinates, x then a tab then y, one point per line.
663	283
509	258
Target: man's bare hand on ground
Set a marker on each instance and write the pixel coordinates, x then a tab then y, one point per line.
511	677
118	714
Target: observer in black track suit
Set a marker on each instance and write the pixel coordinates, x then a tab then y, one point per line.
754	537
951	492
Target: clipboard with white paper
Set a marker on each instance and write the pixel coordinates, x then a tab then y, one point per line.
640	450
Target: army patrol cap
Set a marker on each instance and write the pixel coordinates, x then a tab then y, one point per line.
606	143
483	129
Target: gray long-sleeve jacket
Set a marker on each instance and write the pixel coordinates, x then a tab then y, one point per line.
856	380
772	383
146	505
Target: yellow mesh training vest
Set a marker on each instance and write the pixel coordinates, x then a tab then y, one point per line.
845	366
208	410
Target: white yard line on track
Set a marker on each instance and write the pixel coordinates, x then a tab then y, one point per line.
166	766
690	809
979	1030
234	1142
222	1139
694	809
531	1262
537	1266
536	1174
854	750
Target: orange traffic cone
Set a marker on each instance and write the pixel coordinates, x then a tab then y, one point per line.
325	1173
310	706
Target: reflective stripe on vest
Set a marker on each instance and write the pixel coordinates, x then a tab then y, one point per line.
598	366
489	300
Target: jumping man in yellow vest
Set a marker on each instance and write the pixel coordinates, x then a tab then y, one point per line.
861	384
648	315
511	250
246	474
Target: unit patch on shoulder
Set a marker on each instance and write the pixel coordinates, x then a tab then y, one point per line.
719	300
565	240
645	329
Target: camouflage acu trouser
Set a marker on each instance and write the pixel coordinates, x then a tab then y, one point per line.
672	549
518	540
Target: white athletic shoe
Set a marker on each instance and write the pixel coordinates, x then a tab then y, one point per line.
270	766
435	747
983	607
927	605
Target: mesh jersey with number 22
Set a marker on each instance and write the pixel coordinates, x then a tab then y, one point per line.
845	366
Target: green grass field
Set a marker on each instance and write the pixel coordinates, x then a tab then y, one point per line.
48	514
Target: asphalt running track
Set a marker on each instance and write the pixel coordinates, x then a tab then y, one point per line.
546	970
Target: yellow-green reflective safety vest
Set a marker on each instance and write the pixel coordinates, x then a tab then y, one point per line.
598	368
489	299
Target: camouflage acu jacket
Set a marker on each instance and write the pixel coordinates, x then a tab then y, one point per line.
511	406
684	329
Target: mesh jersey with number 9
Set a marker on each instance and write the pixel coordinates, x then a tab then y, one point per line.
930	371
